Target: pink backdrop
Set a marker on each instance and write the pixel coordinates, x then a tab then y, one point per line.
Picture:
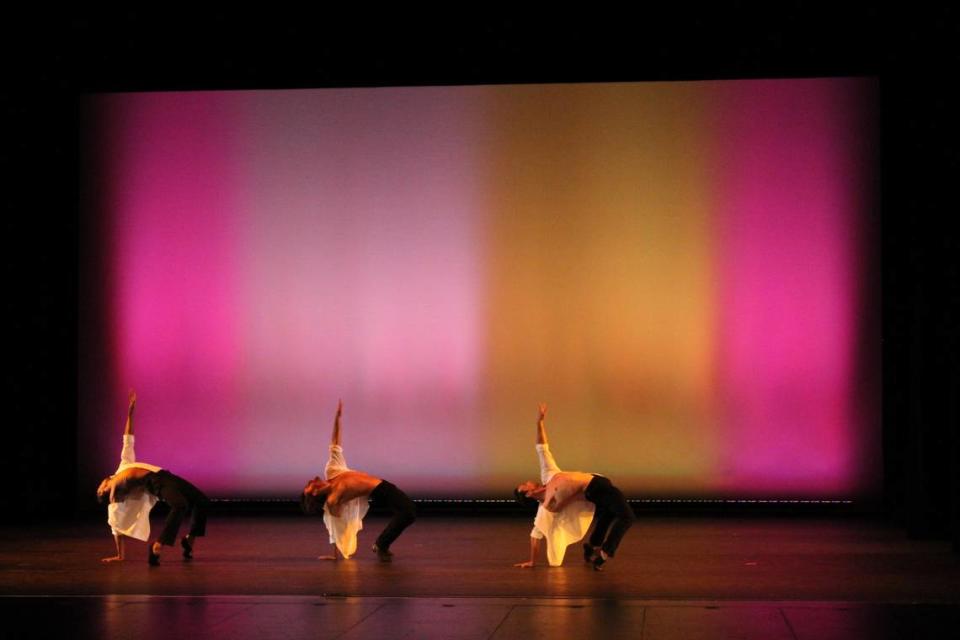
676	268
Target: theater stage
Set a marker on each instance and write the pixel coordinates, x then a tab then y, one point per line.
680	577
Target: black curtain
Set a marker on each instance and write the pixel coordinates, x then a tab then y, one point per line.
920	294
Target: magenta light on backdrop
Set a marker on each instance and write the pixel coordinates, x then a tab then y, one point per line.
789	204
268	252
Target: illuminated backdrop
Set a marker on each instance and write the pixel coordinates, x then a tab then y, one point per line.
677	269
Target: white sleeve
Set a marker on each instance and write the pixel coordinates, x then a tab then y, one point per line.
336	463
536	533
548	466
127	456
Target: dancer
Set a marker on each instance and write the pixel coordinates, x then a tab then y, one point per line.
343	499
567	501
133	490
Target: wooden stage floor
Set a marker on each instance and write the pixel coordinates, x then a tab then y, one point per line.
256	576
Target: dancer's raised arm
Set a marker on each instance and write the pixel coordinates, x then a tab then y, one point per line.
128	428
342	498
548	466
335	439
336	462
127	453
541	429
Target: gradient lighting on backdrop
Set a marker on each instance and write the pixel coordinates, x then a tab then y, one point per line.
676	268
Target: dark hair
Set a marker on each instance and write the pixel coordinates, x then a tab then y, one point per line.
103	498
523	499
309	504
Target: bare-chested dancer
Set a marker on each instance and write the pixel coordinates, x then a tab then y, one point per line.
567	502
343	499
133	490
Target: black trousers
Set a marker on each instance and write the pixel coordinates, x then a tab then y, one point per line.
613	515
183	498
387	495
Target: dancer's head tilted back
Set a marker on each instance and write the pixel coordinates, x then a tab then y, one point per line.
313	496
520	493
103	490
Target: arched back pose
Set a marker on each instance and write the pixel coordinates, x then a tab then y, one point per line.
133	490
568	500
343	497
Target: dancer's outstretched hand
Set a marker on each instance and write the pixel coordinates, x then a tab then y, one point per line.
525	565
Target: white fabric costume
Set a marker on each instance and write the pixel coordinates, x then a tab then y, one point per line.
343	529
131	516
564	527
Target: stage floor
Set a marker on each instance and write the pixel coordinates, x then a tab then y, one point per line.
453	577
